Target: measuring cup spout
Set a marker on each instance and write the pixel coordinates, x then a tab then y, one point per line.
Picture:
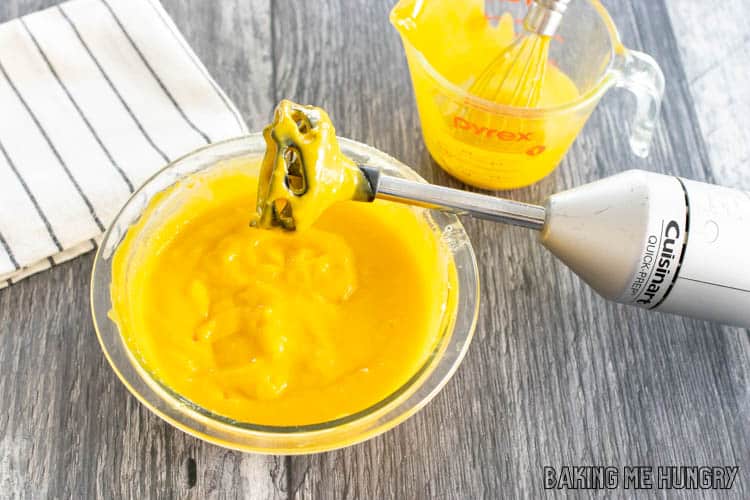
640	74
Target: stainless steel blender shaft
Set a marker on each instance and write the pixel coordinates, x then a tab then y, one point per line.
453	200
626	236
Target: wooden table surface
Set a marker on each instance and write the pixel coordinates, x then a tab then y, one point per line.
555	375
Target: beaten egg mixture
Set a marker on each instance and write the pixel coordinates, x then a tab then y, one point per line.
460	42
280	327
483	146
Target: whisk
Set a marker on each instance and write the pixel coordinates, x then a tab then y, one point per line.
516	75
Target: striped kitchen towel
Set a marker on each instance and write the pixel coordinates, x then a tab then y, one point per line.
95	96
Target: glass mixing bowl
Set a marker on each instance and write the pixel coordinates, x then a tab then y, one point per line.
442	362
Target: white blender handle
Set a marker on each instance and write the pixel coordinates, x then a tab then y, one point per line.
638	237
658	242
714	279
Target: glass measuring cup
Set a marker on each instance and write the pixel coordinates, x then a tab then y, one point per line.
495	146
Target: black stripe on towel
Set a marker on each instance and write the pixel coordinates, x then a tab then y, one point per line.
153	73
32	198
112	86
77	107
178	38
53	149
9	252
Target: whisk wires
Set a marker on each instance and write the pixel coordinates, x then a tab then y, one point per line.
516	76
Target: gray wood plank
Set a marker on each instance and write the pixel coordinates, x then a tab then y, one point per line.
715	51
233	40
69	428
555	376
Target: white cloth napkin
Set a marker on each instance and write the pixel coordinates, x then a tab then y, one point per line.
95	96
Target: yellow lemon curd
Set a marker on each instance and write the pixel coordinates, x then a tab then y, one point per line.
483	145
273	327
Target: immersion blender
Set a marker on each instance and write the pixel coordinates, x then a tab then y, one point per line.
655	241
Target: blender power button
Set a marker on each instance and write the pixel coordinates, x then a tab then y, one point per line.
710	231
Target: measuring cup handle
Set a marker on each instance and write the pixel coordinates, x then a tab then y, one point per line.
640	74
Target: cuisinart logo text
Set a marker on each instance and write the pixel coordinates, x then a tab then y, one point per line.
658	265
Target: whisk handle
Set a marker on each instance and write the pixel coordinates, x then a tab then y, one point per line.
545	16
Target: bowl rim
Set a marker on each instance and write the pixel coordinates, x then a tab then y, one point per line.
203	418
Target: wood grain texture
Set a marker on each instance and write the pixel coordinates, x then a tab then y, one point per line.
555	376
717	71
68	427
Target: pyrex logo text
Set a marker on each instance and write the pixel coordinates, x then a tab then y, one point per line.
502	135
